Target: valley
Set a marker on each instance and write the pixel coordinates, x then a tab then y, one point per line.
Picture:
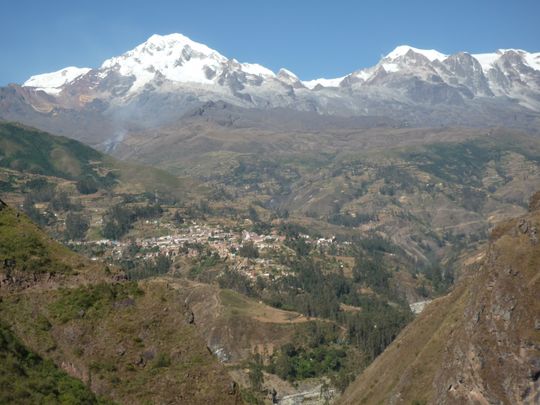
448	354
177	226
250	262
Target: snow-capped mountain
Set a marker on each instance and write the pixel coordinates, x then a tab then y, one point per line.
487	75
167	76
54	82
175	59
164	64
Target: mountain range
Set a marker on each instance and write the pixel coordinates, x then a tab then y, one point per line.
311	219
163	79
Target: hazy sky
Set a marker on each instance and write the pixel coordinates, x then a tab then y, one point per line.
311	38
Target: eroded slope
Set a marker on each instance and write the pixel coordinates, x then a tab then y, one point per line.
479	344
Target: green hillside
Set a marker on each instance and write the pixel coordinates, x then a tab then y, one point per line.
23	248
26	149
26	378
125	340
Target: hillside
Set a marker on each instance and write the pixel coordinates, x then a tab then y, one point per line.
125	341
478	344
432	191
27	149
52	178
27	378
29	257
27	152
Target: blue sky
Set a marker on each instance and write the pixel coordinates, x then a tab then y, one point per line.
311	38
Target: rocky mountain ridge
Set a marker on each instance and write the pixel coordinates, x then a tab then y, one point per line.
166	77
164	62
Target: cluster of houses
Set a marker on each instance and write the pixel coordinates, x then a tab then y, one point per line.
190	240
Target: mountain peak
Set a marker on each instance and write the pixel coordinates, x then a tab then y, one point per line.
402	50
322	82
287	73
176	64
176	41
174	56
52	82
489	60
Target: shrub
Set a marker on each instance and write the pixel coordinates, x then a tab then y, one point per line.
91	301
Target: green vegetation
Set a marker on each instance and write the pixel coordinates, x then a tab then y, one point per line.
236	281
253	172
32	151
256	376
61	202
390	220
24	248
249	250
350	220
314	293
456	162
119	219
317	349
315	289
160	265
76	226
35	215
204	261
296	362
26	378
372	273
91	301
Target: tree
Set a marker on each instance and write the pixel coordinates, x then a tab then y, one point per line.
62	202
76	226
299	245
162	264
372	273
252	214
256	376
248	250
87	185
177	218
117	222
30	209
151	268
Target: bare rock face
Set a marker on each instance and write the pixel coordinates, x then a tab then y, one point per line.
189	315
495	357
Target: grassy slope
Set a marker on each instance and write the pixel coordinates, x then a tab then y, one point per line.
237	324
27	149
126	342
32	250
460	339
26	378
31	151
34	256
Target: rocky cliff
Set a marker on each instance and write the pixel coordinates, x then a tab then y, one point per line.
481	343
